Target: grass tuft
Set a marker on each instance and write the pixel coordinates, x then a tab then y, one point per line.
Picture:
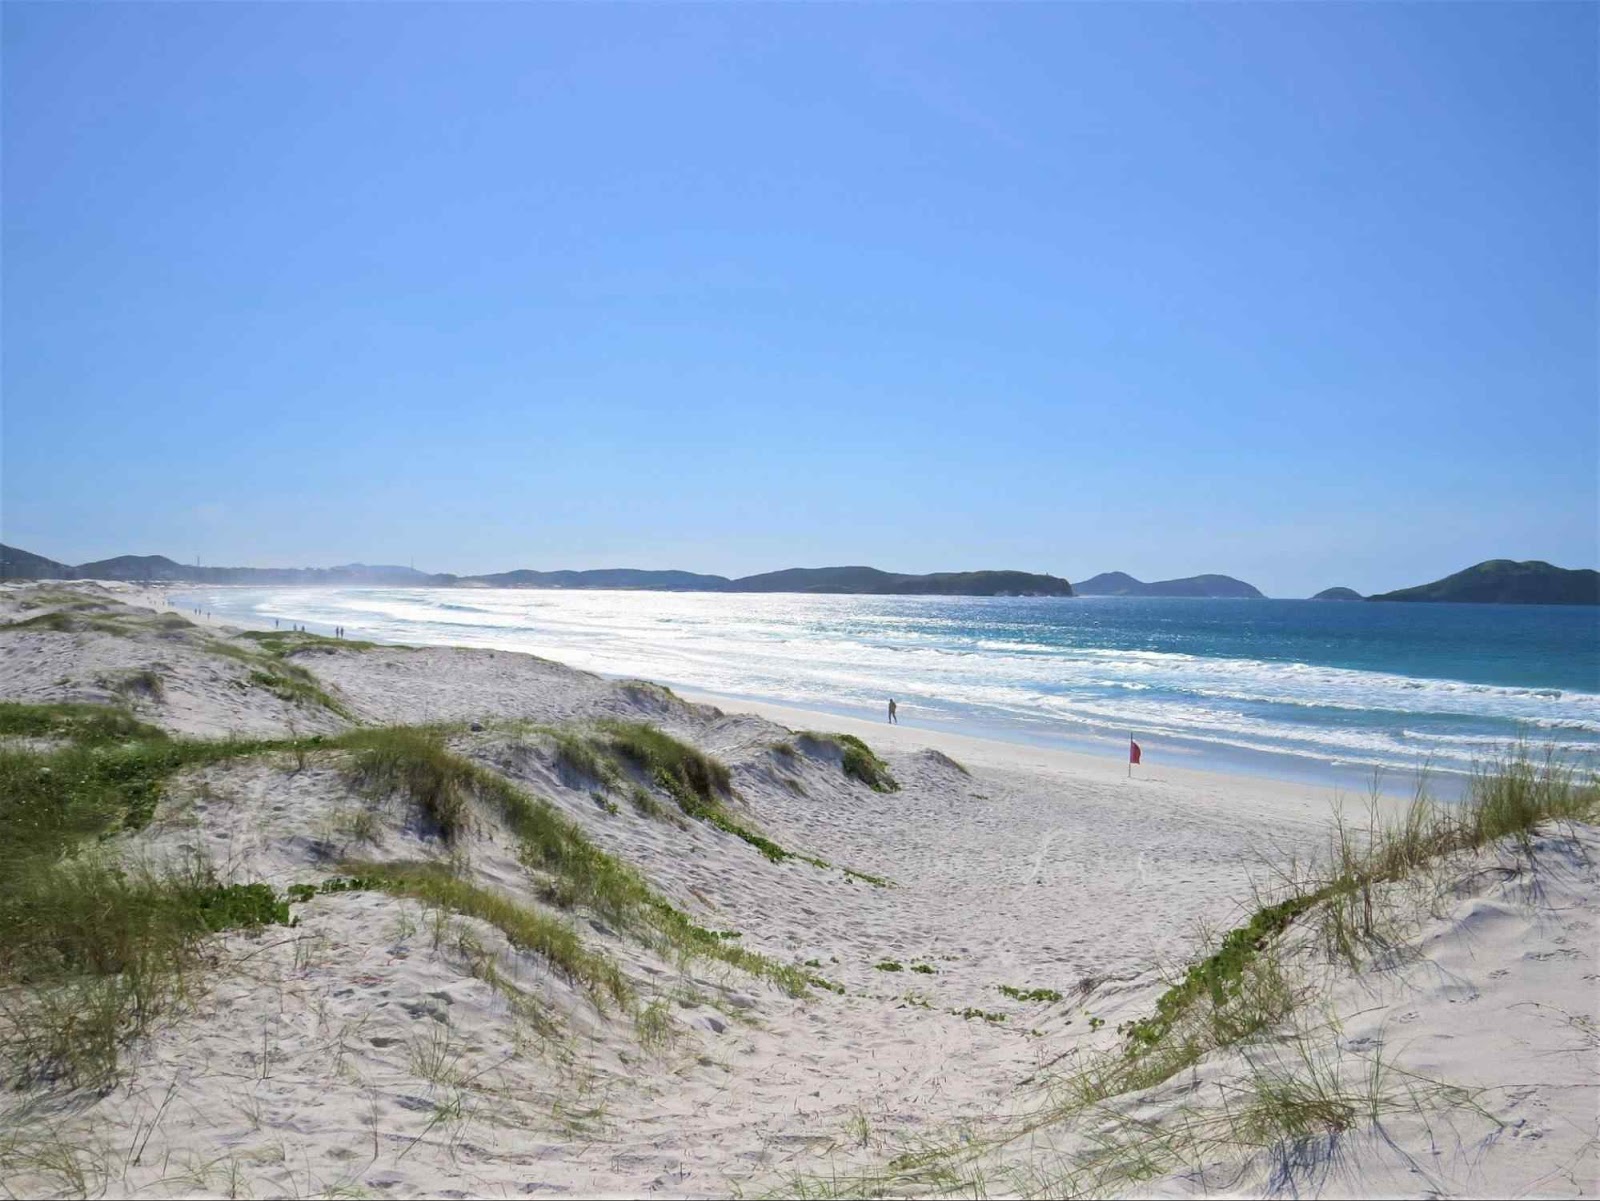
697	781
550	938
856	759
413	761
91	954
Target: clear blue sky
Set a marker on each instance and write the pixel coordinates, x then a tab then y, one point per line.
1305	293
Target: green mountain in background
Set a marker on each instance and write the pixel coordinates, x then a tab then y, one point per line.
21	564
1505	582
1338	594
871	581
1120	583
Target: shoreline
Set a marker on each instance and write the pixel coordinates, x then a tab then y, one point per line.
1277	797
1333	780
1266	791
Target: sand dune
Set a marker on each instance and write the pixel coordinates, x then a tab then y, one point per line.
368	1048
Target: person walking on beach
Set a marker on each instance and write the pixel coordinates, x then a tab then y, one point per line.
893	720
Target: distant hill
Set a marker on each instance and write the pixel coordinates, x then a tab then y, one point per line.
1120	583
20	564
871	581
133	567
1505	582
24	565
1338	594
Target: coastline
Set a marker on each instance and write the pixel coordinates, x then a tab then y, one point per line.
1263	795
1333	778
1262	788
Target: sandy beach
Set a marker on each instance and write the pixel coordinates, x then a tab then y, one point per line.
974	937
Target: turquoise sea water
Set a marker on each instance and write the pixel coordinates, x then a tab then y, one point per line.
1306	687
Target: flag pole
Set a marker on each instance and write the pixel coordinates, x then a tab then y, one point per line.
1130	754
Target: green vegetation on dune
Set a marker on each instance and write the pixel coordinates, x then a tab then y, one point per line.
283	643
413	761
63	621
94	786
574	872
856	759
541	934
287	681
697	781
92	953
1507	798
89	724
1048	995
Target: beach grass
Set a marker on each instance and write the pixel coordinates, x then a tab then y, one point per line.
283	643
73	621
80	723
550	938
287	681
413	761
1240	996
698	782
573	872
856	759
92	953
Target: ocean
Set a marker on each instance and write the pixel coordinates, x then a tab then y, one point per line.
1319	690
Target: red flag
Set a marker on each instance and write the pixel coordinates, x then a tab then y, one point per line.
1133	751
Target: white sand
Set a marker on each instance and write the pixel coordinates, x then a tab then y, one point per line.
305	1066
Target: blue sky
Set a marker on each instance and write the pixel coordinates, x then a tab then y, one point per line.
1301	293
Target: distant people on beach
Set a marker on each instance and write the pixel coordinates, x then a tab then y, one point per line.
893	719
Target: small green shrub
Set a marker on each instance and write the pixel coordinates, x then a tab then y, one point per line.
1048	995
969	1013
